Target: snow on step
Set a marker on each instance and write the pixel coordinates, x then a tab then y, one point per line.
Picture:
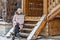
24	34
29	24
27	29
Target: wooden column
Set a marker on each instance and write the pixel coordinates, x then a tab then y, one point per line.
45	7
45	12
24	7
22	4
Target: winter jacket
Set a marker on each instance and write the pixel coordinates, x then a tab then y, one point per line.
18	19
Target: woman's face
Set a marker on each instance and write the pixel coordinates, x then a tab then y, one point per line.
19	11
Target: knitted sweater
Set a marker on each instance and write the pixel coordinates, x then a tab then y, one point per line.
18	19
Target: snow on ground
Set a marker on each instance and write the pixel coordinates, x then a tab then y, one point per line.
5	38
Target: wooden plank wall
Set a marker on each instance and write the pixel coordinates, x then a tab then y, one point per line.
33	7
54	26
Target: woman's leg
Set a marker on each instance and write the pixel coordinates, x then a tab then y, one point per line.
21	27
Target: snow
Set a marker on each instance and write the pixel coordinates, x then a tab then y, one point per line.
51	38
5	38
4	23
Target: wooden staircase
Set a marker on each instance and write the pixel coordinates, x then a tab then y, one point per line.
29	24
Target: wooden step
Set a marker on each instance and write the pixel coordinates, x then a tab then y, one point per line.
26	30
29	18
23	39
24	35
29	24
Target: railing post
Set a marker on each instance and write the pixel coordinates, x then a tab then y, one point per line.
45	7
24	6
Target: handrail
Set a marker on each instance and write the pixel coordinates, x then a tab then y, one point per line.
37	29
55	11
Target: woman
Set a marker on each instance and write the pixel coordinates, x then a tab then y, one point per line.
18	21
18	18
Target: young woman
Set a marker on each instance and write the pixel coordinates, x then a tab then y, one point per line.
18	21
18	18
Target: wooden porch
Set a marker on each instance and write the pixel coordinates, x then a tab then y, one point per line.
41	17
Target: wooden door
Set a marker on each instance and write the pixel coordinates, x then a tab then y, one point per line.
33	7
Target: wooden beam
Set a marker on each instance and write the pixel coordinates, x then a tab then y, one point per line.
41	26
54	13
45	7
38	28
24	7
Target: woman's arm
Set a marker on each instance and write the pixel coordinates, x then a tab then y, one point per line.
14	20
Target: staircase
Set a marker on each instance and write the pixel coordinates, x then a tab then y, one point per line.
28	26
32	28
30	23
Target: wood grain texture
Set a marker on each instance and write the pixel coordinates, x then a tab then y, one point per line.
33	7
54	26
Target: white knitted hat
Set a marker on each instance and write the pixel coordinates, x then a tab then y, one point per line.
19	9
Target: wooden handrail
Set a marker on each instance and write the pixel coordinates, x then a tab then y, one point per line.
37	29
55	11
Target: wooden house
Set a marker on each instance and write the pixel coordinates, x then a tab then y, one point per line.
41	17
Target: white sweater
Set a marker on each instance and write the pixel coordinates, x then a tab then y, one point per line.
18	19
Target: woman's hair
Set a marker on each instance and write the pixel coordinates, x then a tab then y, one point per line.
18	14
18	10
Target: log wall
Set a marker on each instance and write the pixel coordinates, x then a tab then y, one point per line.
54	26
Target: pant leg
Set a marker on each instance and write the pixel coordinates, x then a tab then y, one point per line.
21	27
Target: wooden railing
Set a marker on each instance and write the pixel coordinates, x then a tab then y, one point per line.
52	4
37	29
40	25
54	12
